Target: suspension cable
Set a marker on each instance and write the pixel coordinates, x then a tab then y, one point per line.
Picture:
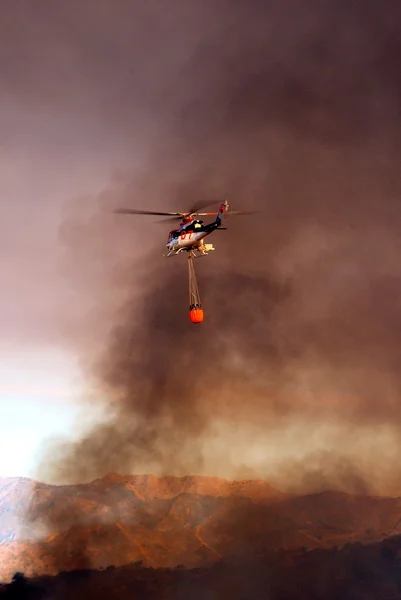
195	307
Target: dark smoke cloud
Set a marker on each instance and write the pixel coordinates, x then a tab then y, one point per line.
292	109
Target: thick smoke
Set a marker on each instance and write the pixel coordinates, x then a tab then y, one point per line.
293	110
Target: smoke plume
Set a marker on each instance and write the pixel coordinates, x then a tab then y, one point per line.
295	374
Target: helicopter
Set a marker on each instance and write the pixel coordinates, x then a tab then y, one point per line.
190	235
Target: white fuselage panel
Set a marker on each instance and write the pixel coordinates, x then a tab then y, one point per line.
186	239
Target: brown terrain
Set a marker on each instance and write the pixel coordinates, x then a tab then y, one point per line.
169	522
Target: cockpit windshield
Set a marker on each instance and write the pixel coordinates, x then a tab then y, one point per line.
172	235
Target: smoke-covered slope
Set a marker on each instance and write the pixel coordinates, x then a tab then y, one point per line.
168	521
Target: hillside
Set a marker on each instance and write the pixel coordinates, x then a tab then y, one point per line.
169	521
371	572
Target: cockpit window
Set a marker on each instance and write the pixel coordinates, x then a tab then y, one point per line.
196	224
172	235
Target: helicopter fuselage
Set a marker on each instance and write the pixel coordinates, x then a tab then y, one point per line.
190	236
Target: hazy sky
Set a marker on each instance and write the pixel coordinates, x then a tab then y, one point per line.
73	111
288	108
56	144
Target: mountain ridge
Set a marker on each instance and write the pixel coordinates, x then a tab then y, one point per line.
169	521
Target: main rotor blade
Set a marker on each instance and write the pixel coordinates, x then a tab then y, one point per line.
207	214
169	219
227	214
133	211
199	205
211	214
192	211
241	212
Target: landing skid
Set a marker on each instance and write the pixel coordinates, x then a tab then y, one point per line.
194	253
201	255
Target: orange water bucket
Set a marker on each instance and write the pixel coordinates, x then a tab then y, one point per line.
196	315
